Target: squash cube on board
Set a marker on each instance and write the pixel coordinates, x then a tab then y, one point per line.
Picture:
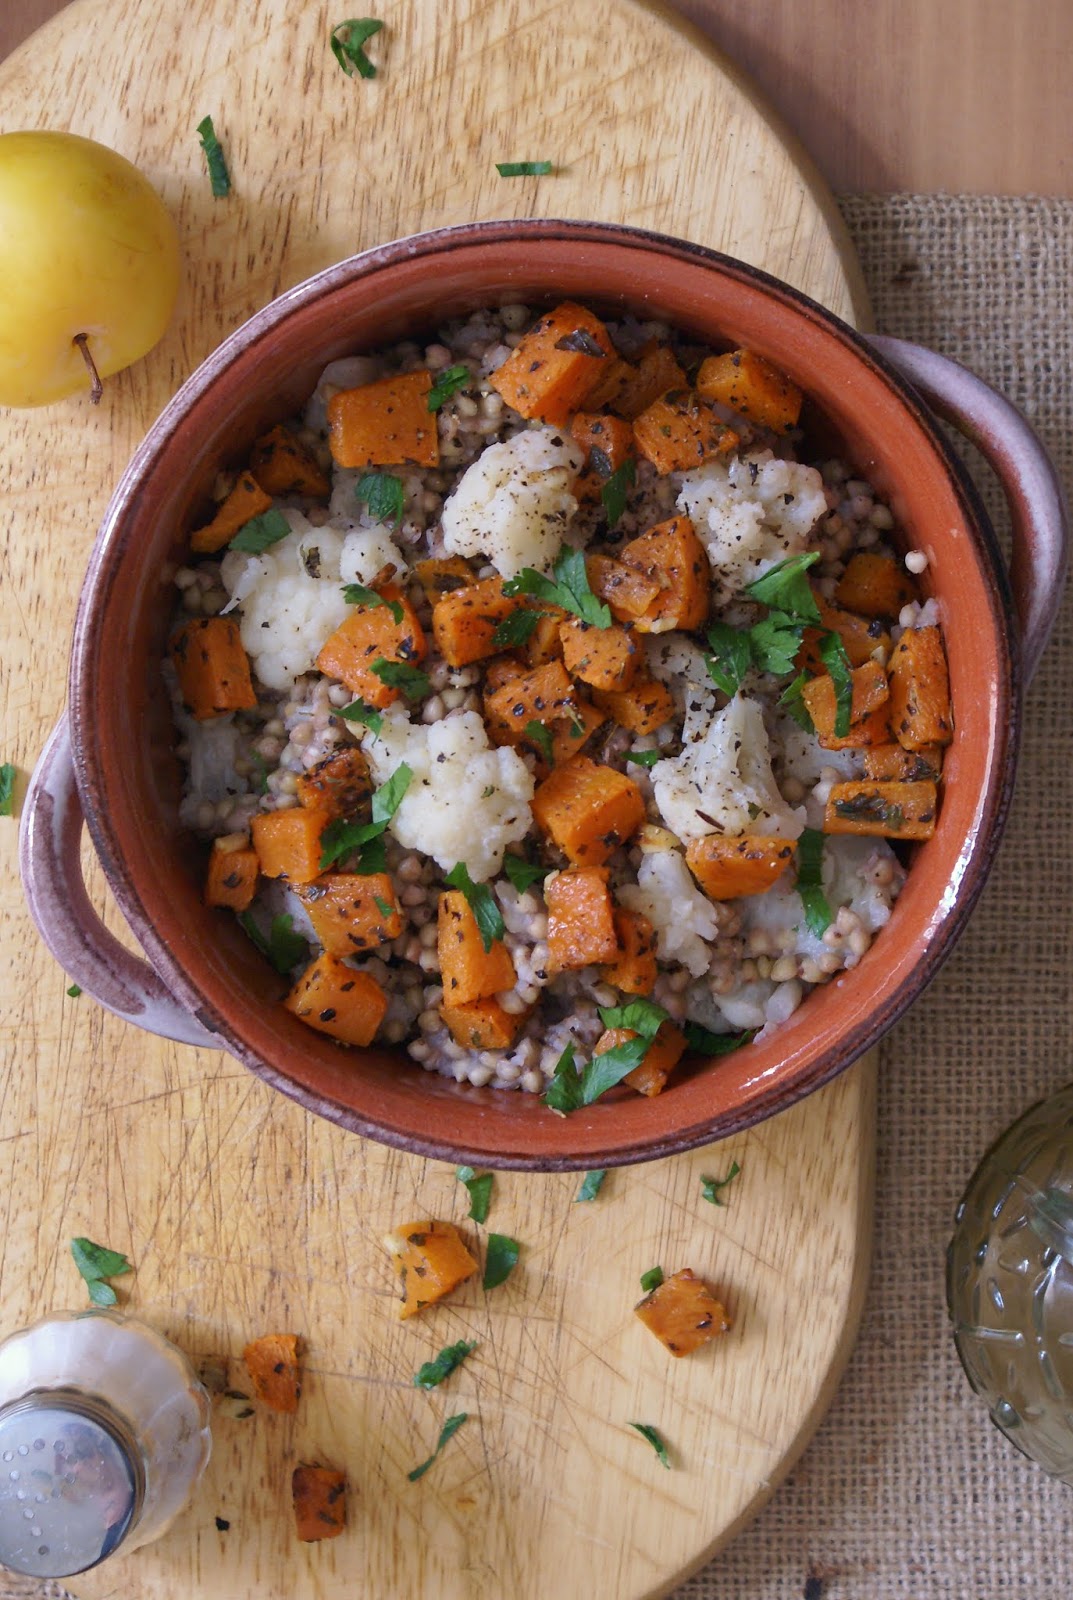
318	1495
272	1363
431	1260
683	1313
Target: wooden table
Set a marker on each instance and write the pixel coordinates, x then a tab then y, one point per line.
924	95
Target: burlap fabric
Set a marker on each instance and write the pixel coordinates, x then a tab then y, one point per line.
907	1490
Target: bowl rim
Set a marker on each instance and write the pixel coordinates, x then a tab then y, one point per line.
107	552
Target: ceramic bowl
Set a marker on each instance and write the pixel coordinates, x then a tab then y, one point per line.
206	983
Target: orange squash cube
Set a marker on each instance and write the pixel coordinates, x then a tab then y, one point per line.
882	810
861	637
605	658
660	1059
338	1000
581	919
247	499
588	810
728	866
554	366
272	1363
482	1024
634	968
339	786
347	910
869	715
683	1313
431	1260
368	635
469	971
608	444
233	871
212	667
464	621
750	385
642	708
385	424
920	713
282	464
672	556
440	575
679	431
318	1495
875	586
627	591
893	763
544	695
288	843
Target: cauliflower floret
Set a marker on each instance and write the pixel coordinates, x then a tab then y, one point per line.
466	801
750	513
514	503
291	599
366	551
675	660
726	775
682	917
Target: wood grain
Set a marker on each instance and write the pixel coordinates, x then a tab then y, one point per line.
243	1214
921	95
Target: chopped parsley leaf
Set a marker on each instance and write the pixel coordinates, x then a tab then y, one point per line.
591	1185
522	873
74	991
451	1426
834	657
348	38
774	642
358	711
383	494
651	1279
480	1191
710	1187
569	1090
400	675
785	587
500	1260
219	177
261	533
615	492
541	737
642	1016
282	946
707	1043
655	1439
731	657
793	704
523	169
431	1373
96	1262
515	629
382	906
482	903
447	384
818	916
568	587
341	837
356	594
643	758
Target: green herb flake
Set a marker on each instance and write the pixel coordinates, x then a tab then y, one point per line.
356	594
643	758
568	587
282	946
500	1259
818	915
615	492
447	384
432	1373
219	177
400	675
479	1189
261	533
358	711
640	1015
711	1188
563	1094
541	737
591	1185
347	40
96	1262
515	629
651	1279
341	837
707	1043
8	774
382	906
74	991
523	169
450	1427
655	1439
522	873
834	657
731	657
786	587
793	704
384	496
570	1090
481	902
774	643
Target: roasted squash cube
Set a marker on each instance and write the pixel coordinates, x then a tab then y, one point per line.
672	556
581	919
751	386
467	970
554	366
680	431
874	586
464	622
288	842
659	1061
634	968
861	637
338	1000
318	1495
892	763
440	575
605	658
247	499
370	635
727	866
869	713
339	786
920	712
352	912
627	591
482	1024
882	810
683	1313
282	464
233	871
588	810
385	424
642	708
608	444
212	667
431	1260
272	1363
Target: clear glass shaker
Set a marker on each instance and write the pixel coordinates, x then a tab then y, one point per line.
1009	1283
104	1433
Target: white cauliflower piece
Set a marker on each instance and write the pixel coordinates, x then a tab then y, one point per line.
683	917
291	599
727	775
466	800
513	505
751	512
366	551
675	660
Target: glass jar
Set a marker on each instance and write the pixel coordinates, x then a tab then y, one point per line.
104	1433
1009	1283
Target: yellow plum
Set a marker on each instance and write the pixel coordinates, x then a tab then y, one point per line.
89	256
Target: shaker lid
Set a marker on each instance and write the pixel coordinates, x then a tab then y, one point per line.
71	1482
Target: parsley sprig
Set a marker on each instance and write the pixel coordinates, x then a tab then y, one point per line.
568	587
447	383
261	533
96	1262
711	1188
431	1373
481	902
569	1089
356	594
655	1439
479	1189
706	1043
281	945
818	916
785	587
358	711
500	1260
450	1427
341	837
591	1185
382	493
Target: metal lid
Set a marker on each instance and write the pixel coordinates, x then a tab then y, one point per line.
71	1482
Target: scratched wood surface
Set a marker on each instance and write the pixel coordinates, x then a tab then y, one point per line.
242	1213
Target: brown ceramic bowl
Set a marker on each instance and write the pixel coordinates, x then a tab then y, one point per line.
121	739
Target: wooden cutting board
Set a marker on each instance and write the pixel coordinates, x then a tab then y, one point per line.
242	1213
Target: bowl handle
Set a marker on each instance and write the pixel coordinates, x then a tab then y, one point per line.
1029	480
50	863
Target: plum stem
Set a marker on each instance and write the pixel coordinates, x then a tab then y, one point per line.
95	384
